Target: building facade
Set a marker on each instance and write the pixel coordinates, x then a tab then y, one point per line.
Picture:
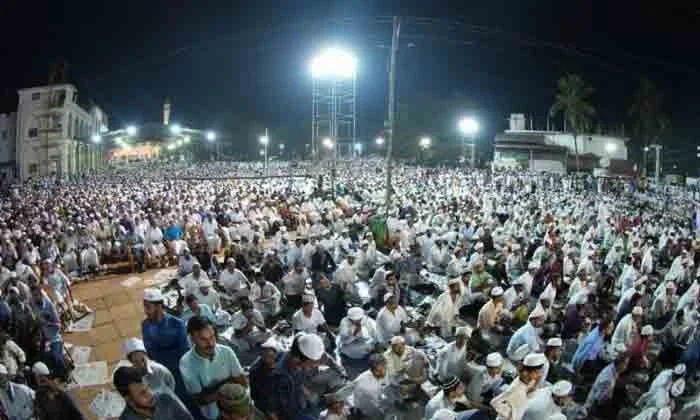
8	138
54	132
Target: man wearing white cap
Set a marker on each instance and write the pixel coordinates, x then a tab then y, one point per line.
528	333
552	362
663	382
265	296
444	311
356	336
512	403
662	308
206	294
17	399
627	330
157	376
233	280
191	281
391	319
452	392
491	314
528	277
548	401
485	380
308	319
451	359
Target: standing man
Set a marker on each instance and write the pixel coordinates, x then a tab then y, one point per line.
207	366
142	402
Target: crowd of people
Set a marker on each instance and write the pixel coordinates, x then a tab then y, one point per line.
473	295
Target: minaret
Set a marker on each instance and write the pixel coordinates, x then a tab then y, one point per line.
166	111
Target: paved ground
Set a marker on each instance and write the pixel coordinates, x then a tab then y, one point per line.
118	315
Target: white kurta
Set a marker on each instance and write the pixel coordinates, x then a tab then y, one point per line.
389	324
512	403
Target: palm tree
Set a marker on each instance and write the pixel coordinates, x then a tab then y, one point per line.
572	100
649	122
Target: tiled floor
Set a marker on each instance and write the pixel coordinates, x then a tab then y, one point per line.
118	315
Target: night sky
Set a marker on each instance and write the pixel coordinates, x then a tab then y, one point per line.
251	58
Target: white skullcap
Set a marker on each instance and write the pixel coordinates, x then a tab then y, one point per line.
562	388
356	314
647	330
271	343
239	321
554	342
515	247
533	265
677	388
444	414
465	331
196	264
557	416
388	297
3	369
638	311
133	344
663	414
538	312
397	339
153	295
679	369
497	291
494	360
534	360
311	346
205	283
40	368
307	298
520	353
479	245
670	286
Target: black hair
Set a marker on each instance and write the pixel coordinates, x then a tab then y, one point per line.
190	298
198	323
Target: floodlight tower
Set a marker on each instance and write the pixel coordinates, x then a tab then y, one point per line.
333	101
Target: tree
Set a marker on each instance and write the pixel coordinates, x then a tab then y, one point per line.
573	101
649	122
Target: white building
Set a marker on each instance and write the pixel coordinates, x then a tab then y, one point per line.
8	137
554	150
54	132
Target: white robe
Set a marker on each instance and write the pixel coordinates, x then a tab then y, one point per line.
512	403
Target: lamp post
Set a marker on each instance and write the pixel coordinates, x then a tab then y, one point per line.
644	161
424	144
265	140
329	144
468	126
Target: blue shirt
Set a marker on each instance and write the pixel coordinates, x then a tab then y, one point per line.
46	312
287	400
262	384
199	373
172	233
527	334
589	348
165	341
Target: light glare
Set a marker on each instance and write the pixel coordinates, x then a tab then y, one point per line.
334	63
468	126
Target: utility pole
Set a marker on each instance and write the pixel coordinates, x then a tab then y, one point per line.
392	94
657	166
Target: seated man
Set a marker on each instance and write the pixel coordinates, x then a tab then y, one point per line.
492	313
356	339
485	381
443	314
142	402
391	319
265	296
191	282
194	308
233	280
207	295
308	319
185	263
368	391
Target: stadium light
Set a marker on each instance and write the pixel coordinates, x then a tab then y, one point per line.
468	126
281	146
96	138
327	143
211	136
264	140
425	142
131	130
379	141
176	129
334	63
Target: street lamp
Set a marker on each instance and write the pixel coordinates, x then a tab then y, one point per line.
469	126
131	130
425	142
96	138
176	129
281	146
379	141
327	143
265	140
334	62
210	135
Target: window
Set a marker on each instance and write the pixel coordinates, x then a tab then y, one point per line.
33	132
36	96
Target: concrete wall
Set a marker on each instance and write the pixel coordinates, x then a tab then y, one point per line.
596	144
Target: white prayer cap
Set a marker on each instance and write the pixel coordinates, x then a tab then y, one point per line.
479	245
356	314
562	388
3	369
554	342
515	247
196	264
640	280
679	369
397	339
444	414
307	298
388	297
677	388
497	291
533	265
557	416
311	346
153	295
270	343
663	414
239	321
40	368
647	330
465	331
454	280
494	360
133	344
520	353
538	312
205	283
670	286
534	360
637	311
